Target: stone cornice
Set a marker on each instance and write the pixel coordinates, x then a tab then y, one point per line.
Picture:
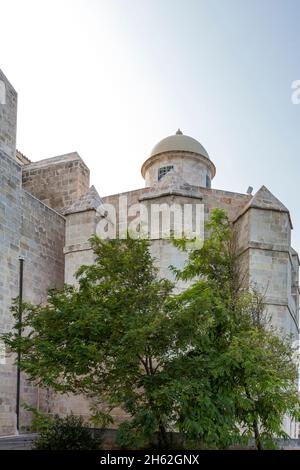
170	192
263	209
267	247
85	246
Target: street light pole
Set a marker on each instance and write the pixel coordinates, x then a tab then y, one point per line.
21	260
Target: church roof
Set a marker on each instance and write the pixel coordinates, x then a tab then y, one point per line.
88	201
179	142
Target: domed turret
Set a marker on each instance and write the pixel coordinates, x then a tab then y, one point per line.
183	154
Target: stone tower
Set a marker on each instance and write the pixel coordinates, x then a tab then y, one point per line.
179	171
48	212
185	156
32	198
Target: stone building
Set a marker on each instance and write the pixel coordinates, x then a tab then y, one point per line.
48	211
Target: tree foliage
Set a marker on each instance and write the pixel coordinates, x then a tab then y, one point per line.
204	362
251	369
68	433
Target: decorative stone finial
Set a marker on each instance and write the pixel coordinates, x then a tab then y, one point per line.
179	132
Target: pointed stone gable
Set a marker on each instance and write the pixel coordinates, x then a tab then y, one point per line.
89	201
264	200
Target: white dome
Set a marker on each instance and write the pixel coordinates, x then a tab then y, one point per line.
179	142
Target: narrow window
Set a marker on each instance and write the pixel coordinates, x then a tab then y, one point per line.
164	170
208	182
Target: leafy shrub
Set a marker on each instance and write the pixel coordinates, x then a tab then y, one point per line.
67	433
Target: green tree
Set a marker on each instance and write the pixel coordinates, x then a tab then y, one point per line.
107	338
68	433
250	371
204	362
266	375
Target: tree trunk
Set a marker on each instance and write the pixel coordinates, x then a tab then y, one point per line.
163	437
257	436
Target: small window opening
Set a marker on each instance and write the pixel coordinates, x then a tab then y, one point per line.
164	170
208	182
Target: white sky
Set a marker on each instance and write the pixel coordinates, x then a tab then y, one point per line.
110	78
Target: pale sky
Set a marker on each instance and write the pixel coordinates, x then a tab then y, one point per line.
110	78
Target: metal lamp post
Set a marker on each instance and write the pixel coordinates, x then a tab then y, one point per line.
21	269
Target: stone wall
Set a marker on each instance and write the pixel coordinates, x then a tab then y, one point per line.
263	240
58	181
271	265
80	227
231	202
10	218
54	247
8	117
166	254
29	229
193	168
32	230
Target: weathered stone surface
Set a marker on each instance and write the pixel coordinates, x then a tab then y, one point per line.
80	226
265	200
195	169
88	201
48	214
58	182
31	230
8	117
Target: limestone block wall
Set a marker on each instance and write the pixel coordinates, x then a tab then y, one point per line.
29	229
58	181
42	238
8	116
162	250
41	246
80	227
193	168
242	240
295	278
231	202
166	255
272	267
263	240
10	216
